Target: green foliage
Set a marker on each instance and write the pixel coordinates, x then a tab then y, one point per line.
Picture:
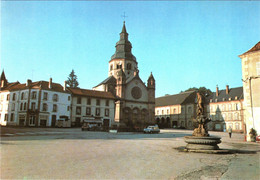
72	80
202	90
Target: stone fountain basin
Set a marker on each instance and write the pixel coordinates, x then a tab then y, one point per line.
202	143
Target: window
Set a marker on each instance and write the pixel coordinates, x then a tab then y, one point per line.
237	125
230	116
14	97
68	98
162	112
107	102
78	110
98	102
119	66
44	107
68	108
33	105
8	97
88	111
167	111
45	96
97	111
236	106
223	107
25	106
6	117
12	117
78	100
174	111
106	112
229	107
22	96
89	101
13	106
1	107
55	97
236	116
32	120
129	66
34	94
54	109
21	106
157	112
111	67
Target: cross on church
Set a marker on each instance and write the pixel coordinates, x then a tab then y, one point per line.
124	16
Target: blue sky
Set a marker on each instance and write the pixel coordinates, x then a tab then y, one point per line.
184	43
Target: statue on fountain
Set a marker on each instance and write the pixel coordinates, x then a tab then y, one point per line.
201	119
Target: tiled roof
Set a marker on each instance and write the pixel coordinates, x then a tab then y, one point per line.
91	93
182	98
44	85
223	96
255	48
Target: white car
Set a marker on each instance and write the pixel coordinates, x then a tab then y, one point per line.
152	129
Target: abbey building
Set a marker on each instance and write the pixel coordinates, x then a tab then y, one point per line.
135	101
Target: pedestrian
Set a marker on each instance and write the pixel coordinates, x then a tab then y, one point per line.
230	131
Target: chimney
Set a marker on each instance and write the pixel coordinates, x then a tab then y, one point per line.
217	90
50	83
64	87
227	89
2	83
28	82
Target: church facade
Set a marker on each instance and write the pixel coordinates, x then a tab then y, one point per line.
135	100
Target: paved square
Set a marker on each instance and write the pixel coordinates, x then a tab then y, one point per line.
73	154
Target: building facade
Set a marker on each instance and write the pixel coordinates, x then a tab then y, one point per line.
250	61
176	110
135	101
92	106
33	103
225	108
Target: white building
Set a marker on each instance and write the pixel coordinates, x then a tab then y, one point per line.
38	103
92	105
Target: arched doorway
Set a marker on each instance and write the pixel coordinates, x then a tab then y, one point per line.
168	122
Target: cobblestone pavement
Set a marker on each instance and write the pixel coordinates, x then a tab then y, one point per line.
51	153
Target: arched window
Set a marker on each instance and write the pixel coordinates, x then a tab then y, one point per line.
111	67
21	106
22	96
129	66
24	106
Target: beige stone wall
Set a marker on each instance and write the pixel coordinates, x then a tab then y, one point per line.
251	87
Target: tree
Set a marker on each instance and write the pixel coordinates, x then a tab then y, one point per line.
202	90
72	80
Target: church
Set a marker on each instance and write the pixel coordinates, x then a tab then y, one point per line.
135	101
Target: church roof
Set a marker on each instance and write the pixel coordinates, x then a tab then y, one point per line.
91	93
253	49
176	99
233	94
109	80
123	47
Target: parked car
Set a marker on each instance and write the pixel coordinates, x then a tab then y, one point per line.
152	129
90	127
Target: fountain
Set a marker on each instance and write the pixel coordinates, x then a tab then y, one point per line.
200	139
